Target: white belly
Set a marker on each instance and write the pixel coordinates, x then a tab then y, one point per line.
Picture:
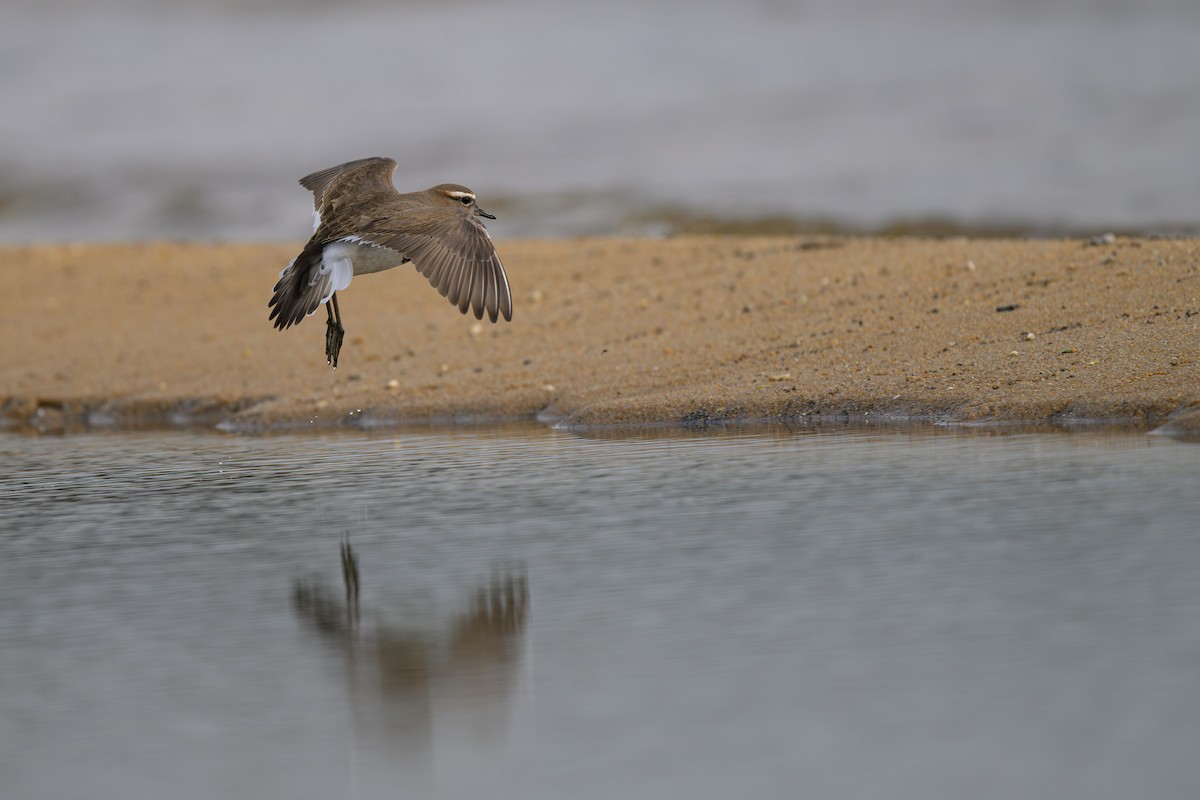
365	258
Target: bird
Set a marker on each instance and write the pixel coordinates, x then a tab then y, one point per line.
362	224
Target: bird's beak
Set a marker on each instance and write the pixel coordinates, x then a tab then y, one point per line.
483	213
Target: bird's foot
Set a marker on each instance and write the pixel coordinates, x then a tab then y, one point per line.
334	333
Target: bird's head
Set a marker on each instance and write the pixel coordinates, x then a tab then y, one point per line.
452	194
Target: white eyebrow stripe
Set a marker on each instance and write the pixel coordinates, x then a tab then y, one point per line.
462	194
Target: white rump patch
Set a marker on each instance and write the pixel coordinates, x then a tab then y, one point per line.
339	271
343	273
336	268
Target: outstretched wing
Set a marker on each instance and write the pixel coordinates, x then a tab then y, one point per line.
353	177
453	250
309	281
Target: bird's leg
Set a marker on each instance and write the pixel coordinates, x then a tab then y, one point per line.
334	332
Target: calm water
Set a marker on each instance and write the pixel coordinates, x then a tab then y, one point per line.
912	614
194	118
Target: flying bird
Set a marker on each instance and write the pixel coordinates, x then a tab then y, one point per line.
361	224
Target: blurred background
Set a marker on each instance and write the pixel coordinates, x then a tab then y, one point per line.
192	119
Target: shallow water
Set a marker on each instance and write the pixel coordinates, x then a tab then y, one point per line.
906	614
139	119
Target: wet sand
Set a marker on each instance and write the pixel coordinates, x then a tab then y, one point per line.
610	331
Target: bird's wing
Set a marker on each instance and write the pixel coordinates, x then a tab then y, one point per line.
453	250
353	177
309	281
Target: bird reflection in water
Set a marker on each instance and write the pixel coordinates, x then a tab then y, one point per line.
408	683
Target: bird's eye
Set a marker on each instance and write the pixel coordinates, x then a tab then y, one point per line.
466	201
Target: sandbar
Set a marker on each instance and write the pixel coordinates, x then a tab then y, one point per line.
687	330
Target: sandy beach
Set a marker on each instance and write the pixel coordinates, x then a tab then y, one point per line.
616	331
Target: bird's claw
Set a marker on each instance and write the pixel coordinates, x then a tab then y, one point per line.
334	334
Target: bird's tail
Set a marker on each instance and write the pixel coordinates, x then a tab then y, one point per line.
300	290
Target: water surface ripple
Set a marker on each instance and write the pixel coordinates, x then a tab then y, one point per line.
913	614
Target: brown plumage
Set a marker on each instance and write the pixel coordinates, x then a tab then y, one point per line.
364	225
